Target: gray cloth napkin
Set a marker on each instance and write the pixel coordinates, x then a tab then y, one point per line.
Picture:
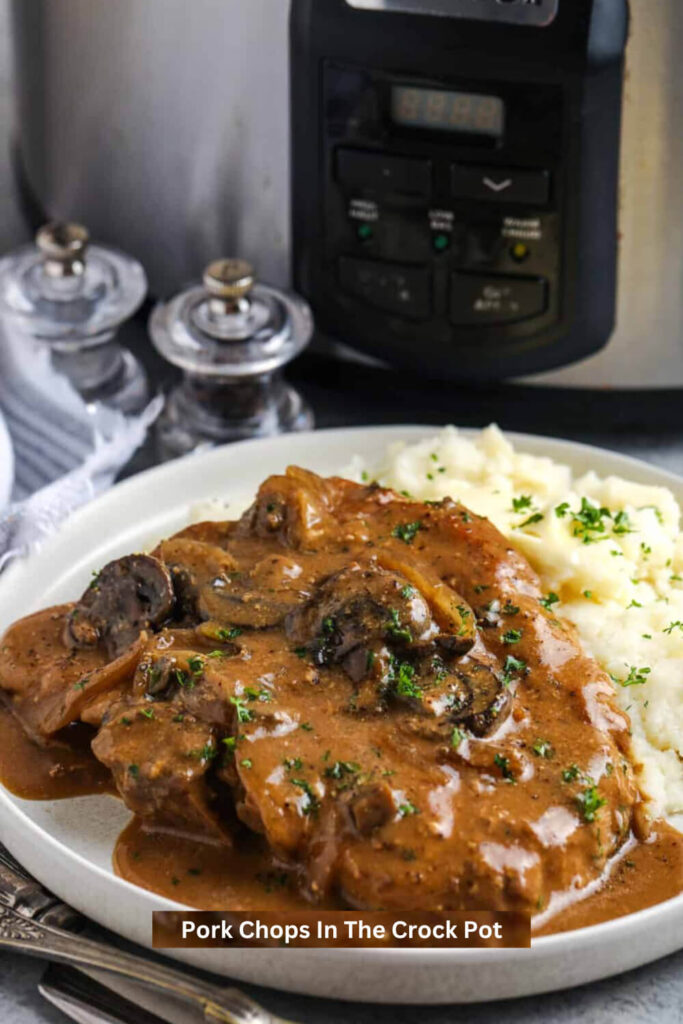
65	452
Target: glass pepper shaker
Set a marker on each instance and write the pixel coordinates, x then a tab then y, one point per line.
74	297
231	337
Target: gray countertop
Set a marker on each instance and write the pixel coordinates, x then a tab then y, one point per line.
650	995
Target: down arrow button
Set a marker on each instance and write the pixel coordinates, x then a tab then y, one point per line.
500	184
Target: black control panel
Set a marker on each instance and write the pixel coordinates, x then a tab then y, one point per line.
455	183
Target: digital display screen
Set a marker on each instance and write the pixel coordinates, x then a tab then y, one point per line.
442	111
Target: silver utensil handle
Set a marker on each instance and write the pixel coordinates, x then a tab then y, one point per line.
229	1006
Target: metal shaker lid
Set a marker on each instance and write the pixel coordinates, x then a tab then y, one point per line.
230	326
64	289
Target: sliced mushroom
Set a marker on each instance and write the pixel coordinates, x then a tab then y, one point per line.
491	718
359	607
257	598
295	508
451	613
371	807
129	595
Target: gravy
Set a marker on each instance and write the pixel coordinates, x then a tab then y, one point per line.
347	699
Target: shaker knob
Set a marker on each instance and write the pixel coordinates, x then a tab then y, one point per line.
231	279
63	246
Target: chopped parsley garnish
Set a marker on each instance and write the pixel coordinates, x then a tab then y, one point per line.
147	713
457	736
262	695
635	677
511	668
537	517
505	770
673	625
183	679
549	601
195	665
124	720
408	591
230	742
570	774
542	748
229	634
134	770
80	685
405	682
396	630
328	626
589	521
510	609
205	753
522	503
293	764
622	524
312	804
243	712
300	652
407	532
178	718
634	604
306	726
341	768
247	763
588	594
512	636
406	809
589	802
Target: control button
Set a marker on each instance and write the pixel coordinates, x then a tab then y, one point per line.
520	252
483	299
365	232
500	184
384	173
388	286
441	241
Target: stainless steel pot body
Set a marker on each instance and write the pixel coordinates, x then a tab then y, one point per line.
164	126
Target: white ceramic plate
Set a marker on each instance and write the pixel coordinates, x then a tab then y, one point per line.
6	464
68	844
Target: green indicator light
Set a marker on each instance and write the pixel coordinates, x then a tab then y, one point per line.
365	232
441	242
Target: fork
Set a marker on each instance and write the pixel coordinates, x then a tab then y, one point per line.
34	922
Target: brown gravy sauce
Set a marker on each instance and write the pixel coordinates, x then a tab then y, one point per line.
210	877
65	768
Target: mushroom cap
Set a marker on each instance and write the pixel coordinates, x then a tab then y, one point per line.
130	594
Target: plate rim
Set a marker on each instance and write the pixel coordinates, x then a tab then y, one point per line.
601	932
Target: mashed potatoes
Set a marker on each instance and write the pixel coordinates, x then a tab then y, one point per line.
610	554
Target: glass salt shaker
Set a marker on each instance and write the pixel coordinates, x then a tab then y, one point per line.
231	337
73	297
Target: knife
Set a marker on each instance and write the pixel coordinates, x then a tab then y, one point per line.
88	1002
32	921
